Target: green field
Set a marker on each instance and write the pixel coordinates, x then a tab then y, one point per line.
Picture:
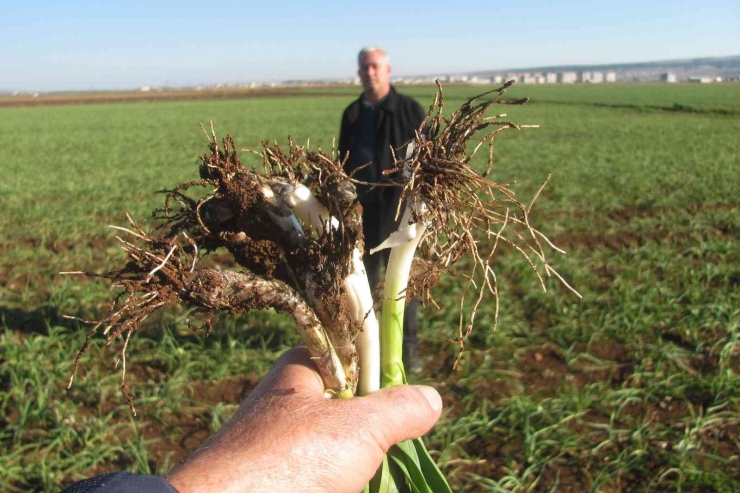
636	387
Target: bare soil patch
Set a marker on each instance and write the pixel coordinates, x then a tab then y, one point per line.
543	371
175	436
168	95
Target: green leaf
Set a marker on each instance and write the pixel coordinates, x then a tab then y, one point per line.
405	457
400	479
408	467
383	481
434	477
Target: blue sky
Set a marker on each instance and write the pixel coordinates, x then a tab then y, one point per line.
54	46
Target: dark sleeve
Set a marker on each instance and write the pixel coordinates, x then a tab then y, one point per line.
344	135
121	482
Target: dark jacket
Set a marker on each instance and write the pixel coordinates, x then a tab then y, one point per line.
398	119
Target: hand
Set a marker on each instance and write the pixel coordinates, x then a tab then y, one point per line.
286	436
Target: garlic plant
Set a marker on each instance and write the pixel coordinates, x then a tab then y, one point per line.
297	252
359	295
295	230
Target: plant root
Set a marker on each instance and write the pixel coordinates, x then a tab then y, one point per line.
299	269
464	205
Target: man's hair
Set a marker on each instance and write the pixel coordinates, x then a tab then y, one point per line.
371	49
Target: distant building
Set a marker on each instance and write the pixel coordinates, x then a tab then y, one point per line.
551	77
529	79
611	77
669	78
567	77
591	77
498	79
514	77
701	80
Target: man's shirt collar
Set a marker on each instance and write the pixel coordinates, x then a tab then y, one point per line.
388	103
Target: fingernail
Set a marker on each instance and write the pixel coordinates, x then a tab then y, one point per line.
432	396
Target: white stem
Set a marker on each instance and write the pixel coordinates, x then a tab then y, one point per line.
406	232
359	295
360	301
308	208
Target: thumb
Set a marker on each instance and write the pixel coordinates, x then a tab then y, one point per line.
400	413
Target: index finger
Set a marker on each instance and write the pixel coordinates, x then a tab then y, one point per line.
293	372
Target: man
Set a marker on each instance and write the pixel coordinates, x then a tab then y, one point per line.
380	119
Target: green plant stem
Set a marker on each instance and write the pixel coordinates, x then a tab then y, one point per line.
345	394
394	305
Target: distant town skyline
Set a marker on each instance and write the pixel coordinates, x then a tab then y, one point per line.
47	46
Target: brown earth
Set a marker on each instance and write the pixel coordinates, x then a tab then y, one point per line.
174	436
187	94
543	371
168	95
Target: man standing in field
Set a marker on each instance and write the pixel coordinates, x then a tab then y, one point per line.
380	119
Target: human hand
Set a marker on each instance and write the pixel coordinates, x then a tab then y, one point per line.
286	436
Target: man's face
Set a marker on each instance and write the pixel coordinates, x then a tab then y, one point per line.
375	73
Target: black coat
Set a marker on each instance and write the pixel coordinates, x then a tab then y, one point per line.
398	119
